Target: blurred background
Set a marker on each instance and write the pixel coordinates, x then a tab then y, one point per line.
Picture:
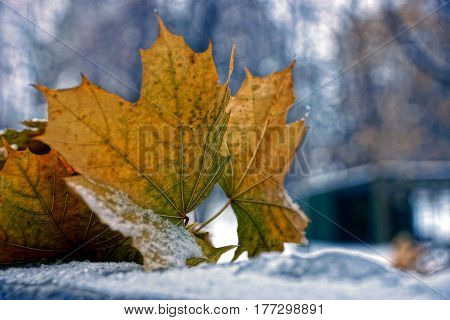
373	77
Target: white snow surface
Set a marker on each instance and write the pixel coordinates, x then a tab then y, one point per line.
326	274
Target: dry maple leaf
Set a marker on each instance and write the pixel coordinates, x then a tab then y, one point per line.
164	151
40	220
262	147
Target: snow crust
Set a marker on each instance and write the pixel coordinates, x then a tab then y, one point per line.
326	274
38	120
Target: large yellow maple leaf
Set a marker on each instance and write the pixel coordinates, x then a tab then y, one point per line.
163	151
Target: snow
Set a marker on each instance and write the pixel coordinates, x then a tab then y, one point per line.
38	120
294	205
325	274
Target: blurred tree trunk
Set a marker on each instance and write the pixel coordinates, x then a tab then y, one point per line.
416	53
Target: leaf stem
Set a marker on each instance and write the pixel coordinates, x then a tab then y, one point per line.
214	217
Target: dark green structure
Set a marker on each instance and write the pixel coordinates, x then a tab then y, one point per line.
373	202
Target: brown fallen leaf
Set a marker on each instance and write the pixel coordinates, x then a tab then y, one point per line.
163	244
407	252
40	220
262	147
164	151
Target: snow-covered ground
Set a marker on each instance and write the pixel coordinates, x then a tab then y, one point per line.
322	274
